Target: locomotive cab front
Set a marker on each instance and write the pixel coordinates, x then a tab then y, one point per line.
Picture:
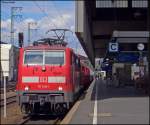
44	79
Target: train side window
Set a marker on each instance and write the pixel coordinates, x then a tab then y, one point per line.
75	60
79	63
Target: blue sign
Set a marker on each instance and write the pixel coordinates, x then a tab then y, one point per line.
113	47
128	57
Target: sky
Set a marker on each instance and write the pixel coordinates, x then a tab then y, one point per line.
44	15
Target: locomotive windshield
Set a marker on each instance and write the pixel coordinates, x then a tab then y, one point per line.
33	57
54	58
44	58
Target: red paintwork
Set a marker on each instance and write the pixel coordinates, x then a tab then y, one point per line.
85	79
67	70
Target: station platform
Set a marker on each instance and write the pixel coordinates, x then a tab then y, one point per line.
103	104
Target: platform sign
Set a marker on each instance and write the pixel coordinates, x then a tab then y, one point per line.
128	57
113	47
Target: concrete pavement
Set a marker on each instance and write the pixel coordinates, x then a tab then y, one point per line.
110	105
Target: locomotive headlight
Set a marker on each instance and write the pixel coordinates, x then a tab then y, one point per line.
43	68
26	88
60	88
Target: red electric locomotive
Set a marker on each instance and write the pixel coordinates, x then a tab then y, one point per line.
48	78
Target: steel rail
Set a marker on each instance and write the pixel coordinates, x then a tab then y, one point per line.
9	100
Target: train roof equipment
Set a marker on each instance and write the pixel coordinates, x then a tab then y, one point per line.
49	41
59	40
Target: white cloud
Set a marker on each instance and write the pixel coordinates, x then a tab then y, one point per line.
29	20
5	36
66	20
5	24
55	21
18	27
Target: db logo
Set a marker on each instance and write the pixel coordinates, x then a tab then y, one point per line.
43	79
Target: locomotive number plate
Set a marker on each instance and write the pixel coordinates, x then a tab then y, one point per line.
43	86
43	79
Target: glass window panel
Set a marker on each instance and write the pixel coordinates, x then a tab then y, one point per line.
111	4
33	57
54	57
139	3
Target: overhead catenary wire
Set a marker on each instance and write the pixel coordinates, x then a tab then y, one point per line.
20	25
68	25
13	16
43	11
37	28
59	13
61	17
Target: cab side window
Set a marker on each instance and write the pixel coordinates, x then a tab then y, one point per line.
76	61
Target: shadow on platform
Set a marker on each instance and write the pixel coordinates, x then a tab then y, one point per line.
106	92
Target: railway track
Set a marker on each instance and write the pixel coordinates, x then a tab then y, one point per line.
10	86
11	89
9	100
44	119
40	119
8	89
